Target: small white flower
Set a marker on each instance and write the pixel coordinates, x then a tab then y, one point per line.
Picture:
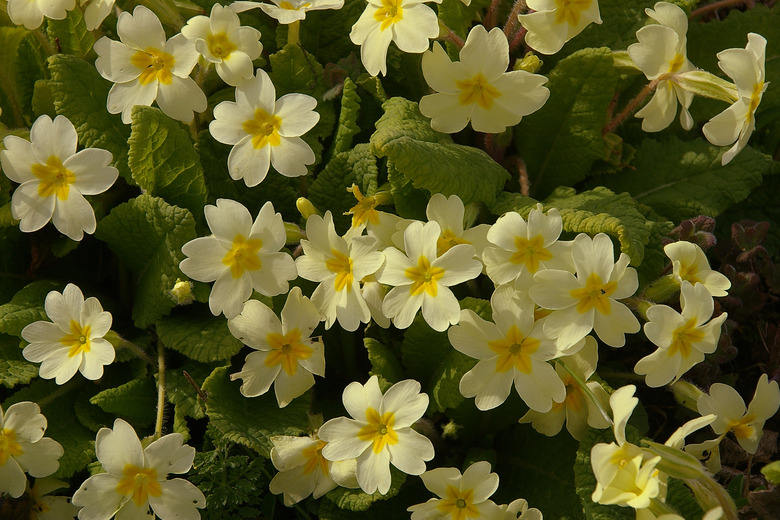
24	448
737	122
682	338
221	40
136	479
239	256
728	406
557	21
421	279
30	13
379	433
287	357
408	23
144	67
48	507
287	11
74	341
689	264
96	11
54	178
478	89
450	214
265	131
518	509
461	497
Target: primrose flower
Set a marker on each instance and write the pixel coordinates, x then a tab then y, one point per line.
408	23
54	178
513	349
635	485
221	40
96	11
747	425
23	448
737	122
303	471
589	300
287	355
460	496
689	264
48	507
449	213
265	131
526	246
74	341
661	53
339	264
682	338
30	13
421	278
287	11
715	513
379	433
478	88
518	509
240	256
144	67
555	22
136	479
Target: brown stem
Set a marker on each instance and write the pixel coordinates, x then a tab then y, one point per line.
492	15
512	21
705	9
455	39
518	38
630	107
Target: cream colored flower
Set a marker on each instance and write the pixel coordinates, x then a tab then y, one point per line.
30	13
557	21
689	264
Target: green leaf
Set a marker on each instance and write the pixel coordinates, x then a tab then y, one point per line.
71	34
14	258
384	364
430	160
89	414
409	202
682	500
357	500
680	179
183	396
347	126
57	405
26	307
198	335
11	101
458	17
80	95
135	400
251	421
147	234
772	472
560	142
163	161
14	369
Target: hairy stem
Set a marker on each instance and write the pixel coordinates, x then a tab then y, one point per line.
631	107
158	424
512	21
705	9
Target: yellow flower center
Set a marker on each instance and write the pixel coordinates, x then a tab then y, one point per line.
220	45
458	504
342	266
314	459
8	446
575	397
594	294
477	90
78	339
55	178
379	430
683	338
755	99
689	272
676	63
742	428
424	277
291	7
447	241
243	255
140	483
365	209
514	351
530	253
391	12
156	65
264	129
569	11
286	349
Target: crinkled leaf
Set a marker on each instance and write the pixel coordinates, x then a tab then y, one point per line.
683	179
135	400
14	369
560	142
251	421
11	102
26	307
384	364
147	234
163	161
347	126
70	34
198	335
409	202
357	500
430	160
80	95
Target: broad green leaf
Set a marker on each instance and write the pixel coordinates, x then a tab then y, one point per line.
30	68
325	34
681	499
26	307
57	405
14	369
384	364
458	17
147	235
347	126
430	160
198	335
135	400
80	95
357	500
560	142
70	34
683	179
163	161
251	421
10	100
409	202
90	415
42	100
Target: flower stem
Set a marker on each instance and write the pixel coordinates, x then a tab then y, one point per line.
44	41
445	33
294	33
631	107
512	21
158	424
587	391
517	39
492	15
705	9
